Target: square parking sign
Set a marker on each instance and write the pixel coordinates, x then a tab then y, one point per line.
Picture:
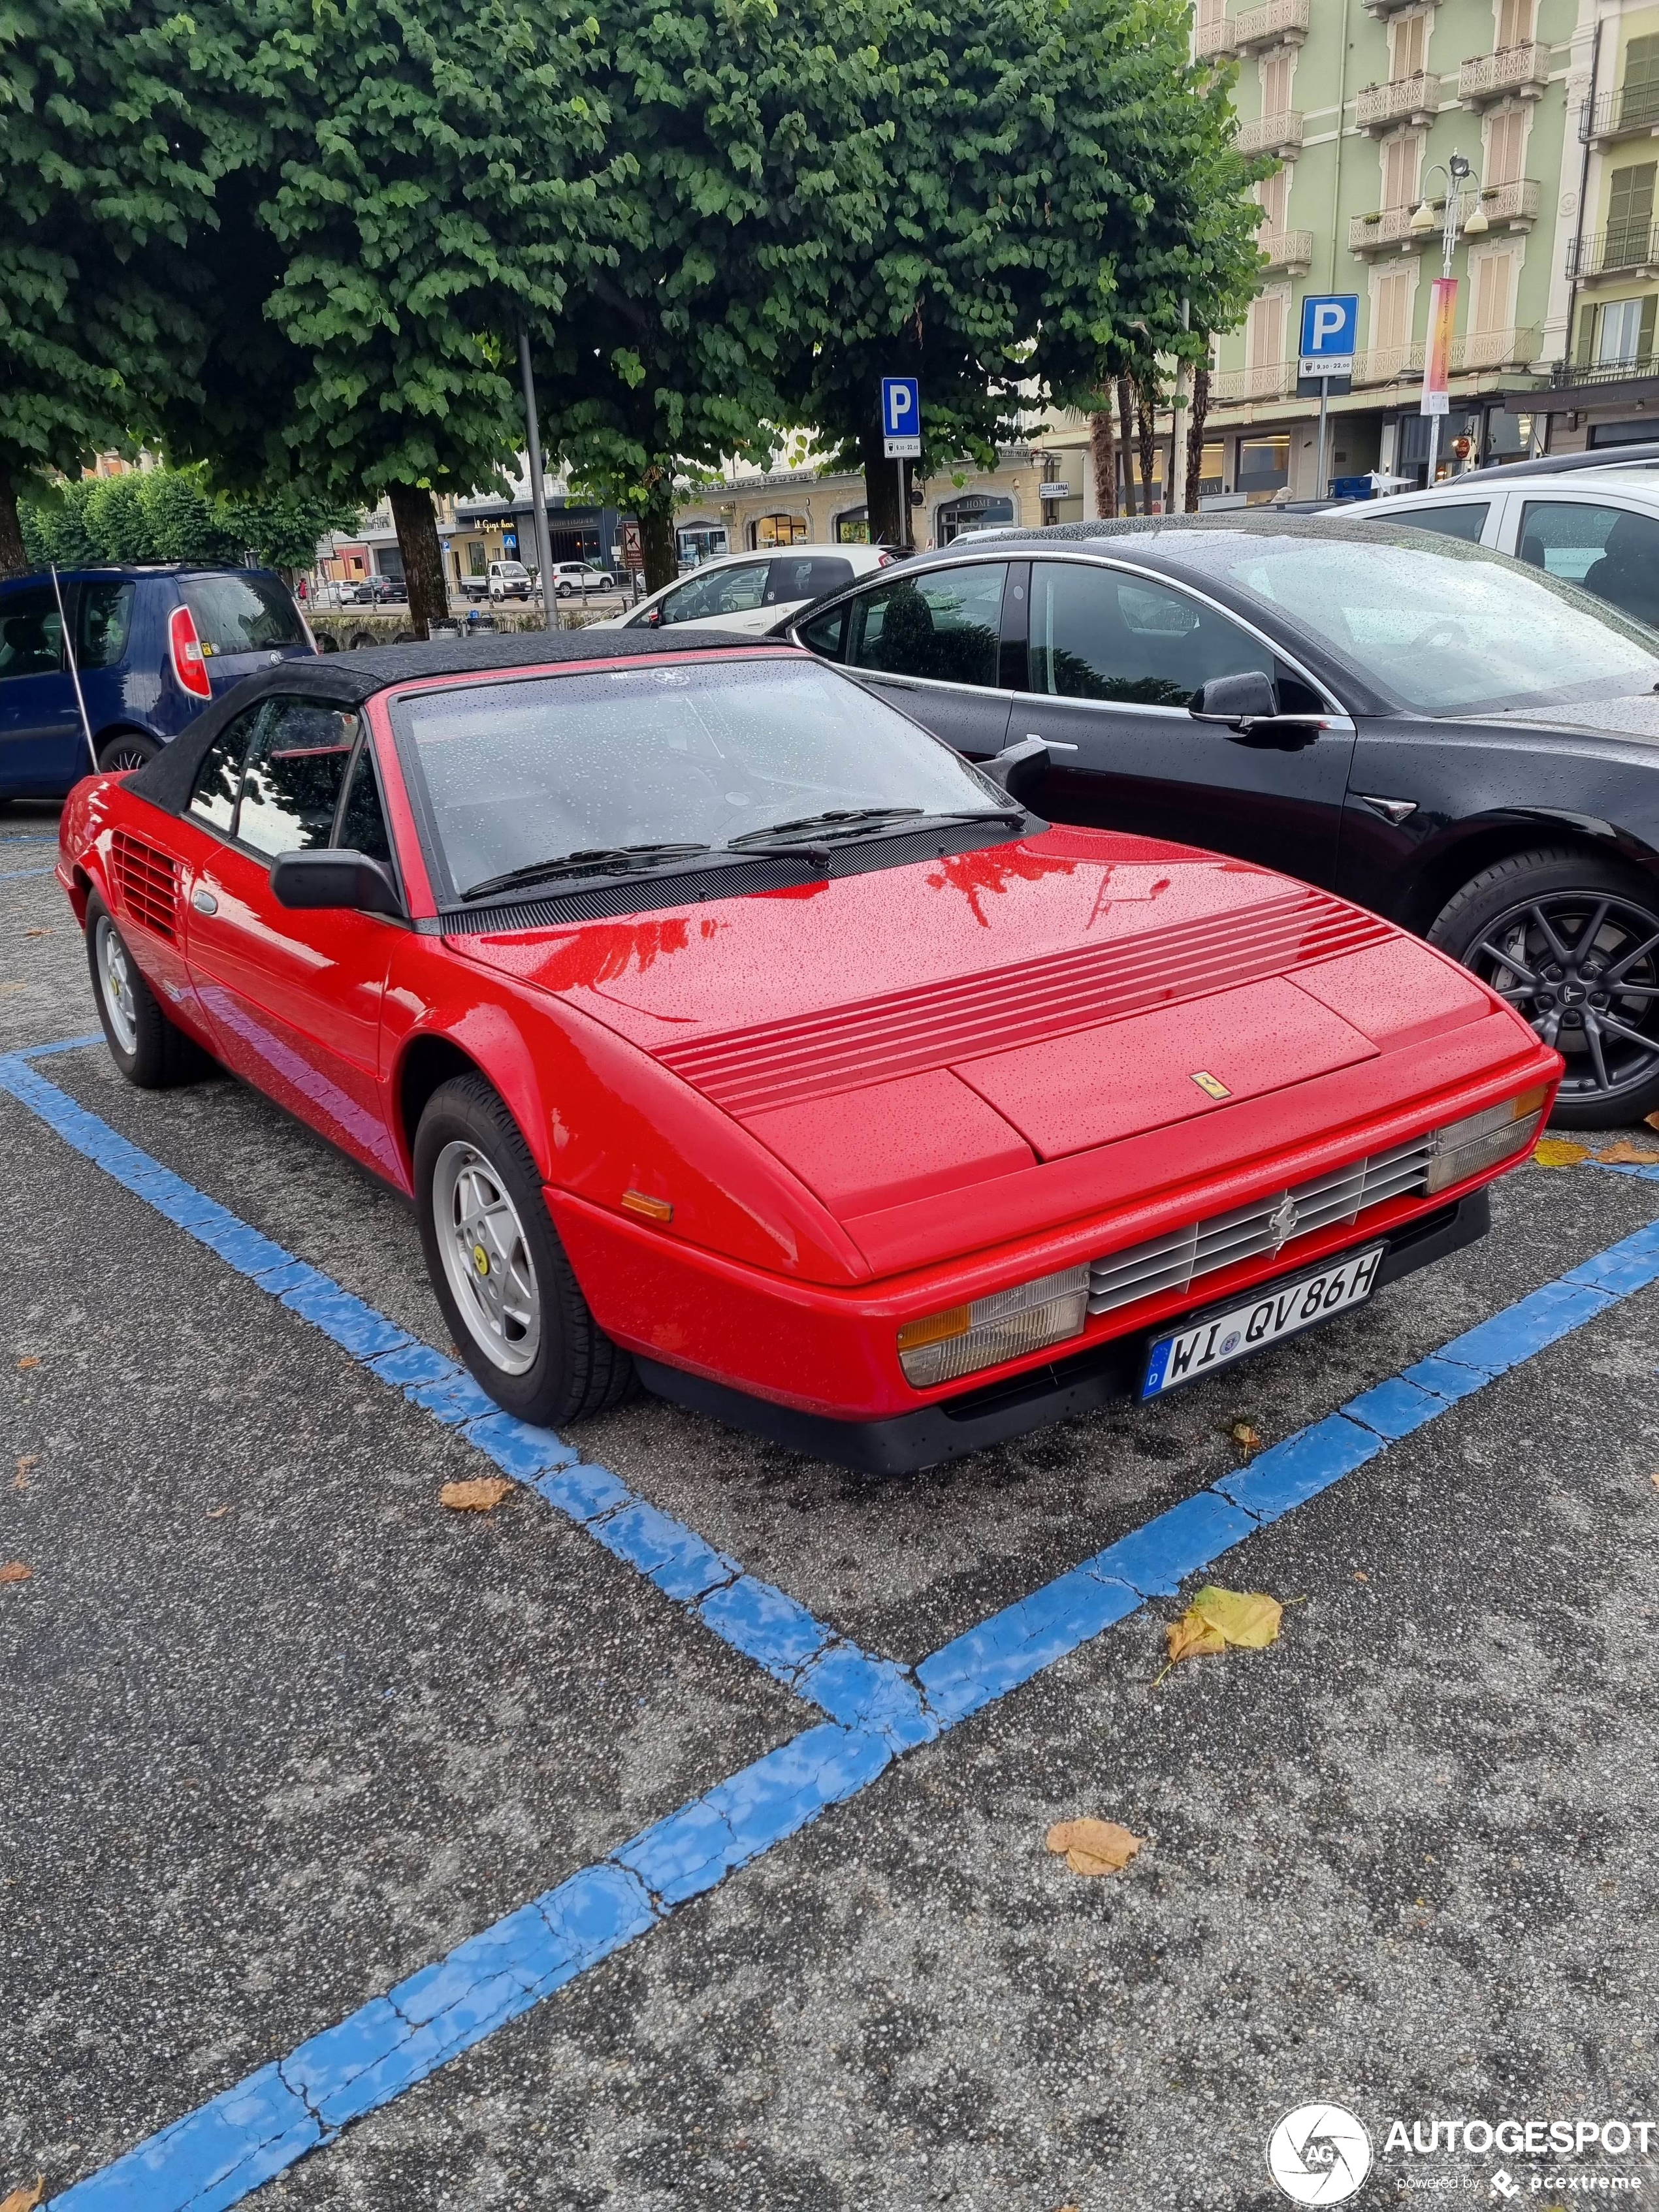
1330	328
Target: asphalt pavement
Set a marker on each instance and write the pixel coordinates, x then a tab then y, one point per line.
281	1731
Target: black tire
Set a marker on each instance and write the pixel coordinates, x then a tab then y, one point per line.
127	749
1568	921
572	1369
149	1049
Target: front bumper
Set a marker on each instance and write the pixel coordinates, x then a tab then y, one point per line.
906	1443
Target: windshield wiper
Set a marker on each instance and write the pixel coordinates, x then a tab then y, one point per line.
601	860
838	818
857	821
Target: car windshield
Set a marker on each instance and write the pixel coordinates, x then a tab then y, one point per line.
1440	629
520	773
241	611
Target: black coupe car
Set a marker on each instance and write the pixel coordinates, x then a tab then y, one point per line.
1430	729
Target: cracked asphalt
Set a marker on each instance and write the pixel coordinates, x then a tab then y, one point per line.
278	1730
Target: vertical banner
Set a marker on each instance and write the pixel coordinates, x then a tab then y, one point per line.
1436	352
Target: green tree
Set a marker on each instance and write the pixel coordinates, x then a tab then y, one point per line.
106	174
1057	179
432	175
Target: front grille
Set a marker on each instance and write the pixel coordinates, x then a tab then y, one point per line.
1268	1224
147	882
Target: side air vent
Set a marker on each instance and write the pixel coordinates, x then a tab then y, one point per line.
147	882
1270	1224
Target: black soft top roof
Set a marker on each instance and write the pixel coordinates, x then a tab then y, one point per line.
347	679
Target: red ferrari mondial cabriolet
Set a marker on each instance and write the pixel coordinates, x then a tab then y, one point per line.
727	1028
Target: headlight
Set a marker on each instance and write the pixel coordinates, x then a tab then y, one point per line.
991	1330
1481	1141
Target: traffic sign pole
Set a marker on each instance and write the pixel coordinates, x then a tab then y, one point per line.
1330	329
1324	412
901	434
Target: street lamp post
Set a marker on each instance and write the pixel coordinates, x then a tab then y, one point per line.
1455	170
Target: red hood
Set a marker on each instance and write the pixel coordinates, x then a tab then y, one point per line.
913	1030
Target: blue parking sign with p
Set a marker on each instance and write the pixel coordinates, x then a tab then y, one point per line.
1330	329
901	417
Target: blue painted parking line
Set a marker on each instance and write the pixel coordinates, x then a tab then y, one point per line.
13	875
763	1623
220	2154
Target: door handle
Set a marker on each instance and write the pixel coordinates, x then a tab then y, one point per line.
203	901
1054	744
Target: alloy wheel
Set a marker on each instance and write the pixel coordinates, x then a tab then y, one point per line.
115	984
486	1258
126	753
1583	968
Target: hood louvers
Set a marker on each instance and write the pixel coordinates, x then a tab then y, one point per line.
147	881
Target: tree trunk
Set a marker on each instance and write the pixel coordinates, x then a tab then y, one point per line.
890	517
416	521
1104	447
1196	420
657	546
1148	445
1126	443
13	561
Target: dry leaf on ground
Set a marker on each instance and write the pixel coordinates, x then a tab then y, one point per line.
1243	1433
1651	1120
25	2200
14	1571
1558	1152
30	1359
1624	1154
1360	1576
1216	1618
217	1512
1189	1637
482	1495
1093	1846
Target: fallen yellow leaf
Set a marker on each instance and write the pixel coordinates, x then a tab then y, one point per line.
1245	1618
1557	1152
31	1359
1243	1433
482	1495
1651	1120
25	2200
1189	1637
14	1571
217	1512
1624	1154
1093	1846
1360	1576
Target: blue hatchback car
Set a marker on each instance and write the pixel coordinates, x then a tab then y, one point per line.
153	646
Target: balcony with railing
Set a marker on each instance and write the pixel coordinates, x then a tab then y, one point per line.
1629	112
1272	134
1383	9
1274	23
1416	100
1235	388
1291	251
1624	249
1568	376
1513	206
1521	70
1477	353
1388	226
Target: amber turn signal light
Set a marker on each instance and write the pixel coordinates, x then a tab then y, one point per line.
650	1209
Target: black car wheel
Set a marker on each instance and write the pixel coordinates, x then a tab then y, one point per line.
513	1306
127	749
149	1051
1572	943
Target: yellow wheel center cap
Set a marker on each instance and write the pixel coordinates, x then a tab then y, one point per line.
481	1259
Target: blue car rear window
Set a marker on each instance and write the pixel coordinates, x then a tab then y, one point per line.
241	611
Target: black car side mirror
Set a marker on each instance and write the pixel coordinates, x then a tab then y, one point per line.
1019	769
352	880
1248	706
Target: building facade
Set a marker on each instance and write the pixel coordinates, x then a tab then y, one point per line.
1555	106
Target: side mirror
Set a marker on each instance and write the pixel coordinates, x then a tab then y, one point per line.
1248	706
1019	769
351	880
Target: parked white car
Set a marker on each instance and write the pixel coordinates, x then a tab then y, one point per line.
572	576
1598	528
748	592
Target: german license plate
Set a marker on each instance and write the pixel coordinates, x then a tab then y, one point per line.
1278	1310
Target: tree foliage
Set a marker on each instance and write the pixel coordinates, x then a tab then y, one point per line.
172	515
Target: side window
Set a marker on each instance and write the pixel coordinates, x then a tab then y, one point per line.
1095	635
794	577
1607	550
362	822
827	634
219	778
1466	519
944	624
726	591
292	785
105	624
31	634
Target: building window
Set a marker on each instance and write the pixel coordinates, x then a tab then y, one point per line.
1638	100
1401	157
1264	331
1409	46
1506	146
853	526
1515	21
976	510
1264	467
1617	334
777	530
701	541
1629	215
1212	469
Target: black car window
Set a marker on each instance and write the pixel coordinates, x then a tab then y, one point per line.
219	778
1098	635
291	788
794	577
362	818
106	623
827	634
1466	519
944	624
31	634
242	610
1609	549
